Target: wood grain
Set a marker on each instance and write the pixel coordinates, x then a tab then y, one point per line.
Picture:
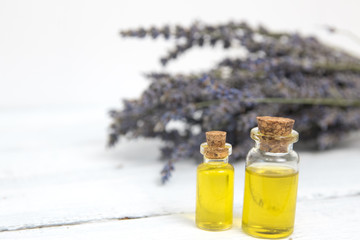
59	181
316	219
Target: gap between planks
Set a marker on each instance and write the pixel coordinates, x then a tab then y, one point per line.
51	225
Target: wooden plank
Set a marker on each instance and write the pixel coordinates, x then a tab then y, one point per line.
316	219
60	173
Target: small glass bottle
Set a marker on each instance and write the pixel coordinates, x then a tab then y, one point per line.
271	179
215	184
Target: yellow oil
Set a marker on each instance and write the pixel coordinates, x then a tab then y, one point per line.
269	201
214	197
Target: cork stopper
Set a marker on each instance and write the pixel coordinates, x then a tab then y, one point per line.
276	126
216	153
275	133
215	146
216	139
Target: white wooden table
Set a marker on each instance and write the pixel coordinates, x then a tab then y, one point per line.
58	181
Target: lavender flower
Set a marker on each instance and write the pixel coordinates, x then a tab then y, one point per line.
282	74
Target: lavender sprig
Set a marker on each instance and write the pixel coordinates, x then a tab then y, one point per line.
282	74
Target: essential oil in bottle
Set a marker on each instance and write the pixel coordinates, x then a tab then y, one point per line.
215	184
271	180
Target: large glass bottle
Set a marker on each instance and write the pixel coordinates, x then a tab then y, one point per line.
215	184
271	179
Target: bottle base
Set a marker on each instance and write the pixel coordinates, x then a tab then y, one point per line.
211	226
263	232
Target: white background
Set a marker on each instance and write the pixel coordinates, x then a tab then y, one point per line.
68	52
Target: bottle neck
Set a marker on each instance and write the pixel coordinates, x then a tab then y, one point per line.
264	147
216	155
216	161
274	144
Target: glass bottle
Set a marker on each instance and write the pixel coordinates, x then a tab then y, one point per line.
271	179
215	184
